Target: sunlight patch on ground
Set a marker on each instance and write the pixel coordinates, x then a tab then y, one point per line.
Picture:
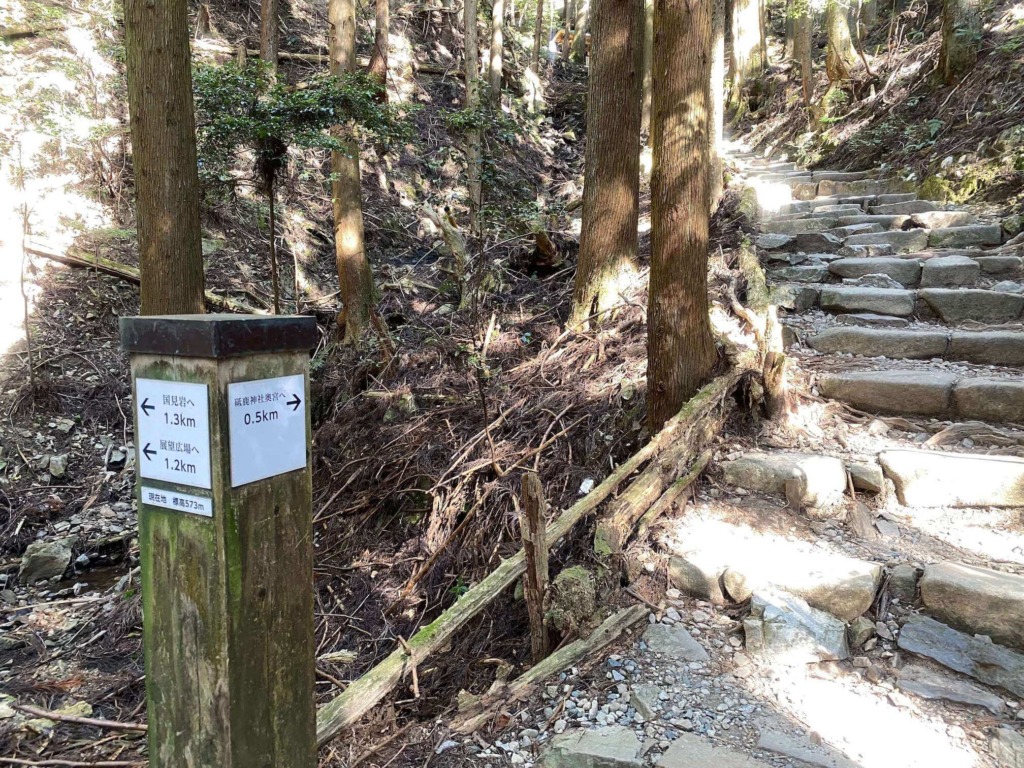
991	534
771	196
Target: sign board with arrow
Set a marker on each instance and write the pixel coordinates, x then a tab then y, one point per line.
267	428
174	431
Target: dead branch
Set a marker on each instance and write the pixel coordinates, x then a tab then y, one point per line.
97	723
669	497
532	526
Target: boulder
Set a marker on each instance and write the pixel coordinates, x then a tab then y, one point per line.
907	208
866	477
696	578
903	271
927	684
897	392
977	600
44	560
692	751
996	400
962	237
901	242
988	347
880	301
942	219
957	305
874	342
785	629
676	642
940	479
978	657
614	746
812	480
950	271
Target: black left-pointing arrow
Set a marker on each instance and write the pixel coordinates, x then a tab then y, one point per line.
294	402
148	452
146	407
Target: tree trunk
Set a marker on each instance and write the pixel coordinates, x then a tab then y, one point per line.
762	33
611	188
717	127
802	54
268	33
569	13
473	154
746	46
680	347
538	31
961	37
159	71
354	277
533	528
840	54
379	54
497	53
790	39
579	45
648	43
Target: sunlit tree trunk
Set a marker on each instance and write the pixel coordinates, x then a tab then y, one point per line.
379	54
961	38
563	50
611	187
840	54
579	45
473	139
268	32
717	88
788	48
746	46
538	32
496	63
802	52
645	114
159	72
680	346
354	277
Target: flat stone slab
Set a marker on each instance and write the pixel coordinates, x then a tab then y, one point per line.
785	629
801	750
880	301
676	642
976	600
874	342
960	237
873	321
988	347
840	175
927	684
999	265
812	273
898	197
806	479
614	746
863	187
773	242
800	226
866	251
892	222
955	306
896	392
904	271
697	577
950	271
691	751
908	207
842	209
995	400
981	659
940	479
942	219
814	242
902	242
856	229
1007	748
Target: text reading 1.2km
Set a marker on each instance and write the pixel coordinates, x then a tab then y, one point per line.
267	426
174	431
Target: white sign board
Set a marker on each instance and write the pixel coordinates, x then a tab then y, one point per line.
179	502
174	431
267	428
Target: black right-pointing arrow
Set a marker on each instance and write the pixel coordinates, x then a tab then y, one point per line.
146	407
148	452
294	402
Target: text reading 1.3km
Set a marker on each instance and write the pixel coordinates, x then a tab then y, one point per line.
267	428
174	431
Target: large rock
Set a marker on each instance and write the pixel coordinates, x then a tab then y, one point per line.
874	342
927	684
796	297
44	560
1007	748
773	241
962	237
880	301
904	271
988	347
909	207
898	392
957	305
806	479
866	477
996	400
902	242
674	641
942	219
614	746
950	271
691	751
980	658
977	600
695	577
786	629
939	479
839	585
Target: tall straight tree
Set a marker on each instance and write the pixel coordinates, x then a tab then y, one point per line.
473	138
268	32
840	54
354	277
159	71
961	38
496	63
746	46
717	125
611	185
802	52
538	33
680	346
645	110
579	44
379	54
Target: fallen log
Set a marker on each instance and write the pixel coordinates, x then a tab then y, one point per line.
363	694
503	694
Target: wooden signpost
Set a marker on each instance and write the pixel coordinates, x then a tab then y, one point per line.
225	530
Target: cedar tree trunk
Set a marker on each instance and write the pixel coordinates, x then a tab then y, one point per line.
473	154
840	54
717	127
961	37
497	53
379	54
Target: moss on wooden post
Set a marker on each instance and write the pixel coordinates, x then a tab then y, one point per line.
227	593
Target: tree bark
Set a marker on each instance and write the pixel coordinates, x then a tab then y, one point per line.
680	347
497	53
961	37
473	139
533	528
648	43
563	50
538	31
579	45
840	54
159	72
746	46
717	126
611	187
802	54
379	54
354	277
268	33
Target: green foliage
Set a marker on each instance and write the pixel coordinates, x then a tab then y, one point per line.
246	108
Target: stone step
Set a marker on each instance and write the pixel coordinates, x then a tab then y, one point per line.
808	480
841	175
885	222
853	299
904	208
980	601
999	265
810	273
902	242
927	393
899	197
863	187
904	271
950	271
800	226
962	237
1001	348
854	229
940	219
957	305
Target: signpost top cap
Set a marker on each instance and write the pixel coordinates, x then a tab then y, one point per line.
217	336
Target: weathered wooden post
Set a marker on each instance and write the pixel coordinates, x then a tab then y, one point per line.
225	530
